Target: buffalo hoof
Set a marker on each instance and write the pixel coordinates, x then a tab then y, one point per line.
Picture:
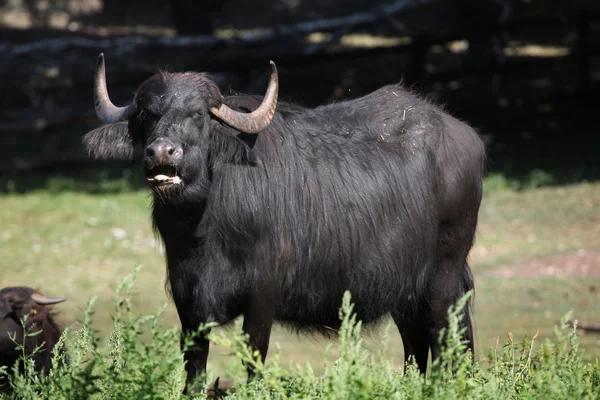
220	388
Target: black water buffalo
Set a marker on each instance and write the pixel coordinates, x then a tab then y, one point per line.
18	304
271	210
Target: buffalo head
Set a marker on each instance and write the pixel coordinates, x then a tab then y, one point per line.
172	116
24	304
19	302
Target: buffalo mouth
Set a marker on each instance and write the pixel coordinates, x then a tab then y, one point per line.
163	177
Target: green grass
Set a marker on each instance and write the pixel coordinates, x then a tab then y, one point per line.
521	225
71	237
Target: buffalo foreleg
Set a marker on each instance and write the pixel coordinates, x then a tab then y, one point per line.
258	321
195	361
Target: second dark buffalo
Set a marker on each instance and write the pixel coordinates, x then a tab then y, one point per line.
271	210
25	309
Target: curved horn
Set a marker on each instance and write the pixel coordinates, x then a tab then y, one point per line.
105	109
46	301
260	118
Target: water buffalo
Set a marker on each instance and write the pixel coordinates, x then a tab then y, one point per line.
271	210
18	304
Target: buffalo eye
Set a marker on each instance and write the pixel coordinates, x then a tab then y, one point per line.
147	118
145	114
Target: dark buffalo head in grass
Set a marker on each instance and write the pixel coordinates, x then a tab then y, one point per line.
25	309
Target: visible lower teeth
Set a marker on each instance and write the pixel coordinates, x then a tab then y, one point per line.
166	179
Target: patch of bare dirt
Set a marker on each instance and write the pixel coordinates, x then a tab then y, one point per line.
581	264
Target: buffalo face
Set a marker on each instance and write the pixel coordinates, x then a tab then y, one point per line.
172	123
171	116
16	303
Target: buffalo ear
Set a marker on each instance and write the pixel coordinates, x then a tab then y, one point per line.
112	141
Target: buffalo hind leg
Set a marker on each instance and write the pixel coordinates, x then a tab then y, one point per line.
415	341
258	321
448	286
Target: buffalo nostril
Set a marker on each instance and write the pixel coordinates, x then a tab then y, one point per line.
162	151
175	151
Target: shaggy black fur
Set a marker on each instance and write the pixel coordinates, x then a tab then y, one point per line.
377	195
16	304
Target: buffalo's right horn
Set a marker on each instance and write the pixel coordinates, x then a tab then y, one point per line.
46	301
105	109
258	119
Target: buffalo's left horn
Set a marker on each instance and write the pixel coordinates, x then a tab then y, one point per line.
46	301
105	109
258	119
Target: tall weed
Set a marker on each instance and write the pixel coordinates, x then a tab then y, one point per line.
141	360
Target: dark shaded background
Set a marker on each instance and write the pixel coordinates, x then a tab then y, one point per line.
524	73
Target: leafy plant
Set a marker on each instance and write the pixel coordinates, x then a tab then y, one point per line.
140	360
